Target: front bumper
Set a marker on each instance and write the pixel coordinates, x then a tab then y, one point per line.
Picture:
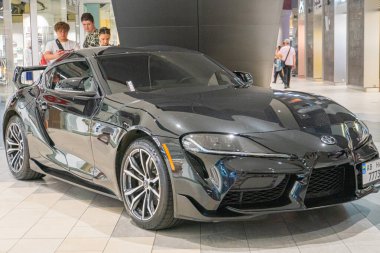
248	187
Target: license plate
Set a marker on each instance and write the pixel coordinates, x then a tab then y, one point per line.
371	171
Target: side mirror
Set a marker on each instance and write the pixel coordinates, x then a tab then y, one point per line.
245	77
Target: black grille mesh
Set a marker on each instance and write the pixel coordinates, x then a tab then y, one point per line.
326	182
249	198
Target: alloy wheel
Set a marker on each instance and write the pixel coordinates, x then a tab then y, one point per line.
14	144
141	184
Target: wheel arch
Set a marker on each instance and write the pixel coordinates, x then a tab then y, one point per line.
7	116
124	143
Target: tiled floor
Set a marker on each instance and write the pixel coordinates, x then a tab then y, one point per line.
51	216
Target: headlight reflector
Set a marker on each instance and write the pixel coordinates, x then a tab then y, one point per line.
361	130
221	144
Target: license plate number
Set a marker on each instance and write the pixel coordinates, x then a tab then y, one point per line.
371	172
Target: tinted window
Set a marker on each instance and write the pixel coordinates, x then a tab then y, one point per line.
130	72
56	77
122	70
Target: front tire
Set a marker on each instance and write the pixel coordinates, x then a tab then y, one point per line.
17	151
146	186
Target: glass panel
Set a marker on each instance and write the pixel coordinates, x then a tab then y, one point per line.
22	48
71	76
163	70
6	47
3	58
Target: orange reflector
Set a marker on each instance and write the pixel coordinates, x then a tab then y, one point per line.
169	156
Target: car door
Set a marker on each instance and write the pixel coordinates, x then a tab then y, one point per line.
67	104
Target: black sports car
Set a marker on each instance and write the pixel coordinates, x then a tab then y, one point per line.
175	135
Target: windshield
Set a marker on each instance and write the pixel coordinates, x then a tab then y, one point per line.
162	70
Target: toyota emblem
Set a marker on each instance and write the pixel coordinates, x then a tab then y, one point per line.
329	140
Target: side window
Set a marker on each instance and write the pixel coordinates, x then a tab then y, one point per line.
71	76
126	72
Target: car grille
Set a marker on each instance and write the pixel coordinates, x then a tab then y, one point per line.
254	198
326	182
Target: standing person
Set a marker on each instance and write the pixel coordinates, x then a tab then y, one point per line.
288	57
104	36
92	38
278	69
274	65
55	48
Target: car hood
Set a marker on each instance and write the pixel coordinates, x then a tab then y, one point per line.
237	110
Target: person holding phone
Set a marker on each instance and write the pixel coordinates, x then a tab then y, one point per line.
55	48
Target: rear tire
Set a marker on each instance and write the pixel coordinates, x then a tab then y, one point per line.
146	187
17	151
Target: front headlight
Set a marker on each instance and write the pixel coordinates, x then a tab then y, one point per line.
361	130
225	144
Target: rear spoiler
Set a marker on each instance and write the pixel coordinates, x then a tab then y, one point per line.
18	74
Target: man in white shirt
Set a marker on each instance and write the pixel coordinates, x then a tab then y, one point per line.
288	56
55	48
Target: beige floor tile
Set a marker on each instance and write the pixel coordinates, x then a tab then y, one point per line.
91	232
337	247
6	244
321	236
36	246
5	185
96	216
14	232
78	193
83	244
21	217
282	250
355	224
360	239
137	244
87	251
125	227
104	201
5	210
67	209
266	228
224	237
176	242
364	248
271	243
17	195
51	228
185	236
224	250
176	251
41	200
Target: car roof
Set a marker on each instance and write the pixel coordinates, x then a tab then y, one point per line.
97	51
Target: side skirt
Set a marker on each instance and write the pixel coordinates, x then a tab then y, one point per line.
71	179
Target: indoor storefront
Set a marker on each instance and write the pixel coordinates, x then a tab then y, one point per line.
27	25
